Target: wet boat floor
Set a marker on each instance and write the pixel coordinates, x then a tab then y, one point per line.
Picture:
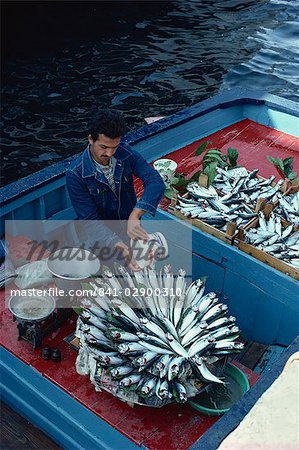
173	426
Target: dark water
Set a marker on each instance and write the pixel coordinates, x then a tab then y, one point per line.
64	60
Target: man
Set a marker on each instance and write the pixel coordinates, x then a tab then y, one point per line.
100	185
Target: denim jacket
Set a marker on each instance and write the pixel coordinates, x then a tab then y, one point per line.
94	200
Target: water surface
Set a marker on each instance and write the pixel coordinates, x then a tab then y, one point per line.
65	60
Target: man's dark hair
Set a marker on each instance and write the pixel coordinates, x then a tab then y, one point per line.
108	122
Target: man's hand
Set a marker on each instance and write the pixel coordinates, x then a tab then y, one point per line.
135	230
127	254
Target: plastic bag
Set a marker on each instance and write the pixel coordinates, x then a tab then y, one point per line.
33	274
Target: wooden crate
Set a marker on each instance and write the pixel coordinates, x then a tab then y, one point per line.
228	237
265	257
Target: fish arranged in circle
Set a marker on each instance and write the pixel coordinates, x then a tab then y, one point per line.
156	345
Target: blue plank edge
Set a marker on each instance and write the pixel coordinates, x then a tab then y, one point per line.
221	429
60	416
223	100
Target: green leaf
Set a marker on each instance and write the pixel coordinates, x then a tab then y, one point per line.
214	158
202	148
211	172
169	192
288	161
292	175
78	310
213	151
287	171
233	155
277	162
195	176
181	183
271	159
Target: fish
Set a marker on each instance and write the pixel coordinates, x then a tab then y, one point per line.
194	333
199	346
130	380
125	310
153	328
130	348
273	237
214	312
164	391
158	350
118	334
205	373
179	392
176	346
145	359
148	387
120	371
174	367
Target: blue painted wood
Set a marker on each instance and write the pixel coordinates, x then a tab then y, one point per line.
63	418
188	132
271	355
218	432
274	118
258	313
264	300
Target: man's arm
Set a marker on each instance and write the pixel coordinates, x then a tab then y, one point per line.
154	189
86	209
153	184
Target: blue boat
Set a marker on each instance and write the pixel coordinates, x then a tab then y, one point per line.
263	299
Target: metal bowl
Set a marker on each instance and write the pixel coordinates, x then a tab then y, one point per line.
73	264
31	308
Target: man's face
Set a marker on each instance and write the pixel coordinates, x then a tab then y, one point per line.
103	148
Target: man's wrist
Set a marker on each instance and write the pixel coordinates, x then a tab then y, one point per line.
137	213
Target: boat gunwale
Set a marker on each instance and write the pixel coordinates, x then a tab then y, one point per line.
224	100
215	435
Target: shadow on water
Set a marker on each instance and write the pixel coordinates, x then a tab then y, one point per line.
64	60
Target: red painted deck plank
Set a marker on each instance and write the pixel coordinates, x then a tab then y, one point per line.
181	426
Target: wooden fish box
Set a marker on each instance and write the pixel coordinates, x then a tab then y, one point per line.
265	257
231	228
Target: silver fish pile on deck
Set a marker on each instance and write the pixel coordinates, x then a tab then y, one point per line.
239	185
288	207
158	347
207	205
231	198
270	236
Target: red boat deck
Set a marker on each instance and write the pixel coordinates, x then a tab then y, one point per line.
174	426
254	143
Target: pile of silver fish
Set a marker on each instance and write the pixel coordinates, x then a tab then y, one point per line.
243	186
154	348
231	198
272	237
288	207
207	205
